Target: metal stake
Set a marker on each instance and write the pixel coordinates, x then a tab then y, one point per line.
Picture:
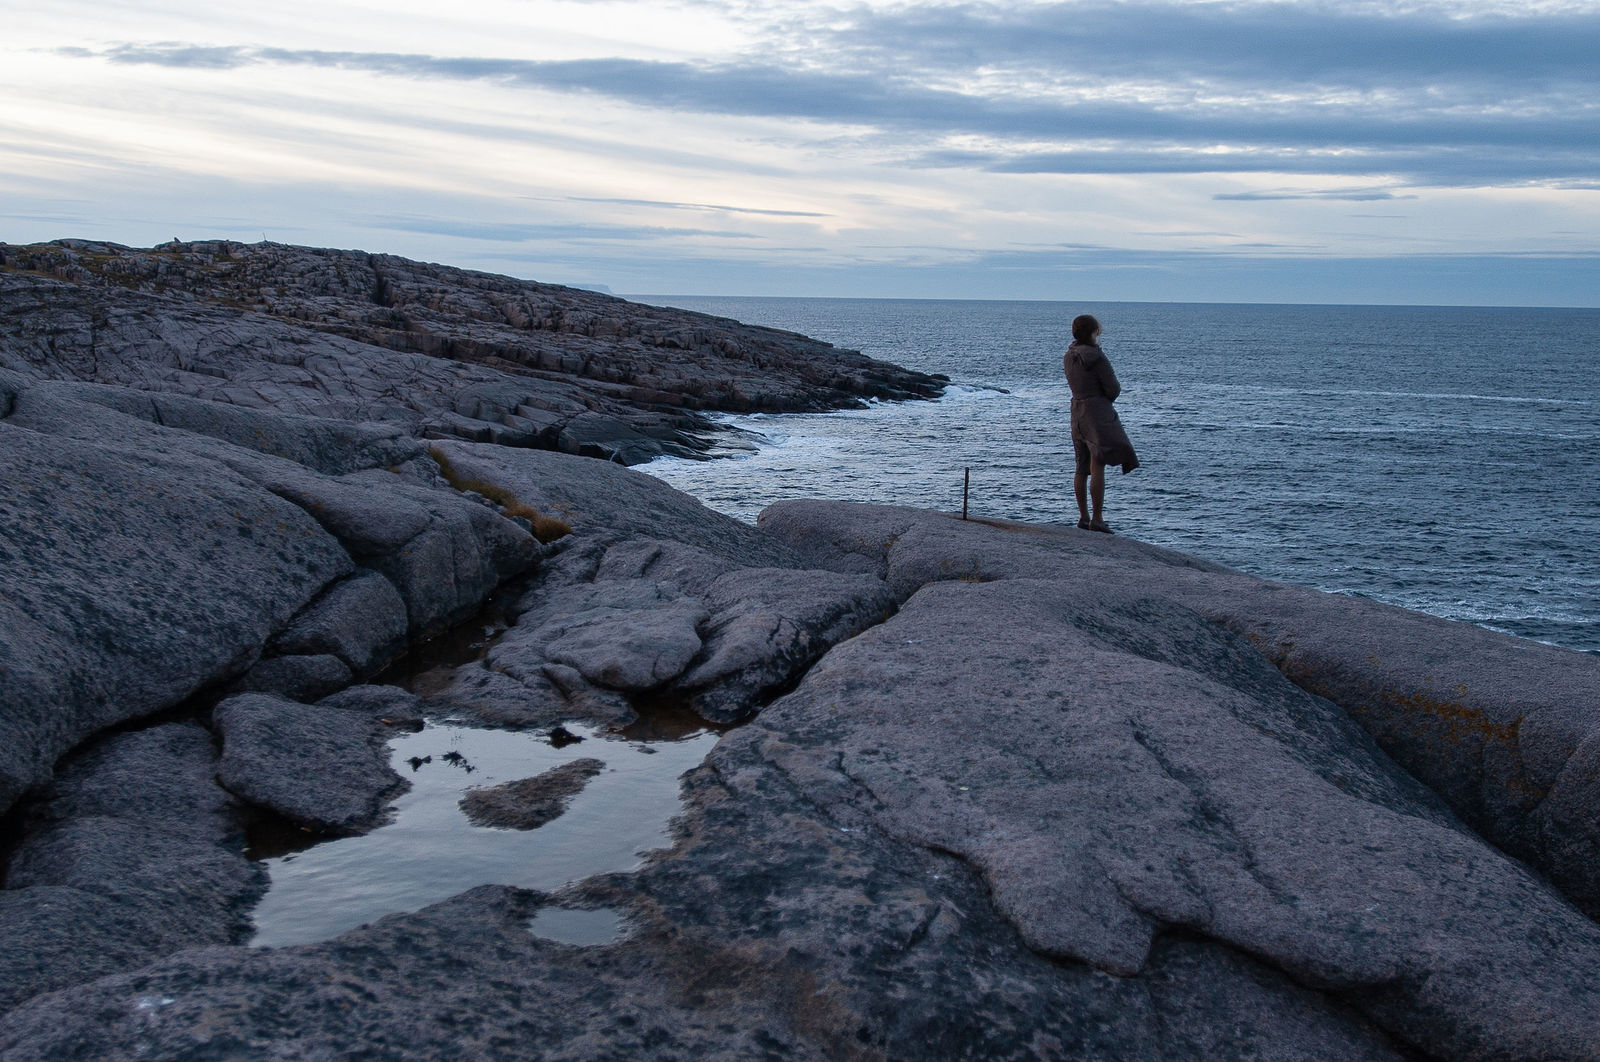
966	484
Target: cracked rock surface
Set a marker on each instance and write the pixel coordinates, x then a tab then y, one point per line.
1002	791
652	595
1117	832
442	352
1504	730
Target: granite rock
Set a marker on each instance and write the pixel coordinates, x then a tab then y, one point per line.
600	499
153	563
1012	792
319	765
632	636
133	582
771	930
131	853
298	677
1501	728
441	551
440	351
361	620
767	626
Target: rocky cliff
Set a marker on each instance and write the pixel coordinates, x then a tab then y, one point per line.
445	352
985	790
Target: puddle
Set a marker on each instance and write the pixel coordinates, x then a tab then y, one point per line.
429	667
430	851
582	929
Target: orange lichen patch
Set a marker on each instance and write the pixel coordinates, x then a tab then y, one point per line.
1424	718
545	528
1460	723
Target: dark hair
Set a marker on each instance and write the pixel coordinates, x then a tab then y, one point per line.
1085	328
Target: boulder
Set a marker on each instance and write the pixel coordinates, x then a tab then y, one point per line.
767	626
524	692
617	503
319	765
303	678
632	636
441	551
361	620
650	616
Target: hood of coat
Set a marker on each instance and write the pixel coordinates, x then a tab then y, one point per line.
1085	353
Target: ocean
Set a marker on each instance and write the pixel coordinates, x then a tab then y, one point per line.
1443	459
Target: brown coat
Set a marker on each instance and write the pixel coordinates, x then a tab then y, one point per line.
1094	419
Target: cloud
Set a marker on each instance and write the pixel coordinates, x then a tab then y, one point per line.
1548	129
713	207
513	232
1325	44
1354	195
1441	166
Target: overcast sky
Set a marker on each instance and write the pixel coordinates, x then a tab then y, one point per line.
1435	152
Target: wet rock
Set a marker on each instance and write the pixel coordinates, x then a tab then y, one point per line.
391	706
608	438
770	929
131	853
361	620
529	803
321	766
527	694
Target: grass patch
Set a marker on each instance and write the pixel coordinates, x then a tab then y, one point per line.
545	528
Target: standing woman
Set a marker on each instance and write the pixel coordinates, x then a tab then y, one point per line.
1097	436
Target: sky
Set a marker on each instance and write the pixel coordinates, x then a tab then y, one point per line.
1439	152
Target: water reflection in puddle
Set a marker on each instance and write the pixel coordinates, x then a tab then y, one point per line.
583	929
430	852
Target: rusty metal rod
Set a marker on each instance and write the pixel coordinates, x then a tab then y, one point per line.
966	485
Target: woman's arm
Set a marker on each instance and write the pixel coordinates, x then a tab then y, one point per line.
1108	379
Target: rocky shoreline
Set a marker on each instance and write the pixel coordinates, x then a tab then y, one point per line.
994	790
444	352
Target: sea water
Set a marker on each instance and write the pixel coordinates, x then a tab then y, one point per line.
1445	460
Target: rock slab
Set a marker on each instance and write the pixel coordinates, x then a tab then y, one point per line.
528	803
